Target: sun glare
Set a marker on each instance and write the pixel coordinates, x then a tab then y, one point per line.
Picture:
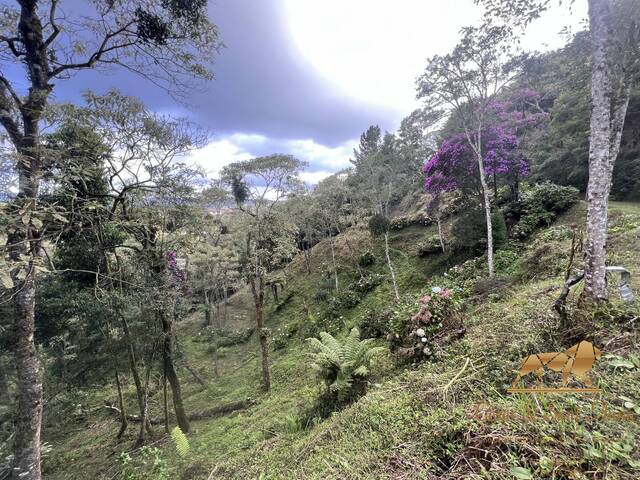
373	50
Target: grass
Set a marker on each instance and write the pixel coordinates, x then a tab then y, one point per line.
445	419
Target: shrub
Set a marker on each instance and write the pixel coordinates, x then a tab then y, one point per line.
378	225
344	300
375	323
507	262
368	282
327	284
282	335
541	204
429	246
367	259
415	336
343	367
469	231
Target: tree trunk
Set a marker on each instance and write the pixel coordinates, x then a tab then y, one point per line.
145	422
165	402
170	372
4	384
258	298
123	413
333	260
599	155
439	222
25	240
207	309
28	417
226	299
393	273
216	371
141	393
307	258
495	186
487	211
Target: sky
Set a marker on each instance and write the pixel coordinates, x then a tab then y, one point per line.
306	78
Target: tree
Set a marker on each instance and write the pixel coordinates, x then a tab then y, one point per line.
615	30
464	84
163	42
610	90
454	166
259	186
131	220
150	194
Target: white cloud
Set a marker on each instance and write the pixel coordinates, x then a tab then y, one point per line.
322	160
214	156
316	154
313	178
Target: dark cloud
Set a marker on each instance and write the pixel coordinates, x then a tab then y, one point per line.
262	84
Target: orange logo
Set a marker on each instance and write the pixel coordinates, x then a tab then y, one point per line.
575	361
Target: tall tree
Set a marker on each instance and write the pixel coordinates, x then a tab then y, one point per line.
164	42
464	83
615	33
259	186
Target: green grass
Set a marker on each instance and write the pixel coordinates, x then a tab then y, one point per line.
445	419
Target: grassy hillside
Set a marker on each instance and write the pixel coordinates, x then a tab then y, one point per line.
447	418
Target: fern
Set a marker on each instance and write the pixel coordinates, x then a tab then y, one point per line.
181	442
343	366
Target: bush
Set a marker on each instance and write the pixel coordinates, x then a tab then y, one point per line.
375	323
325	289
469	231
507	262
540	205
368	282
344	300
429	246
367	259
414	336
282	335
379	225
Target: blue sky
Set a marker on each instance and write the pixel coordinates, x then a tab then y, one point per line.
306	78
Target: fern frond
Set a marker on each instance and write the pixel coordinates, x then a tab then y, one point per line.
361	371
181	442
329	341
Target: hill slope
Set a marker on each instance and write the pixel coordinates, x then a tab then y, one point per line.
448	418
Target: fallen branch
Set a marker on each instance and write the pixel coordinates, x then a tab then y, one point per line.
194	374
211	413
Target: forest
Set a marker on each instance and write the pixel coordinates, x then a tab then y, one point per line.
158	321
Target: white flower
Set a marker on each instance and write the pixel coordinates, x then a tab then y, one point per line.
426	351
424	339
420	332
436	289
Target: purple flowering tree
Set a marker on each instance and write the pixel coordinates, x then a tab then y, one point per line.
464	84
454	165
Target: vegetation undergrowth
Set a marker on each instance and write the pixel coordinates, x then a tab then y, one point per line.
445	416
